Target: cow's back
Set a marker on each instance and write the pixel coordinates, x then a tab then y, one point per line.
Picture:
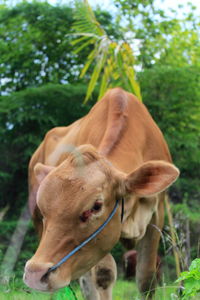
119	126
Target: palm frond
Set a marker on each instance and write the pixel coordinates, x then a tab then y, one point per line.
112	61
105	78
85	20
81	47
95	76
89	61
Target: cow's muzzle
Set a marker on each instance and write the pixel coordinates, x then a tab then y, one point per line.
36	275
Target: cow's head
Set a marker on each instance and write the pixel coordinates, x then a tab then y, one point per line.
74	199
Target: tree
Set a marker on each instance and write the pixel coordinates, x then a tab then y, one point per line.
35	45
34	49
163	38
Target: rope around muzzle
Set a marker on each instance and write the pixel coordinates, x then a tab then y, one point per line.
91	237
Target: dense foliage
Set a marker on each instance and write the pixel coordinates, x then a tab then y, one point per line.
160	35
24	119
35	46
191	280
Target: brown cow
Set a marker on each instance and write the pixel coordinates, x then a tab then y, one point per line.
75	177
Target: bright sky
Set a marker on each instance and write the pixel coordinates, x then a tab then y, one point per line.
108	4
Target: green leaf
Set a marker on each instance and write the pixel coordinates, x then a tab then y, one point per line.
105	79
91	58
77	50
135	86
94	77
81	39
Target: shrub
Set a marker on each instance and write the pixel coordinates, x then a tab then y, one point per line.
191	280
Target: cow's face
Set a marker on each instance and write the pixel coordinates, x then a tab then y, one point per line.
74	199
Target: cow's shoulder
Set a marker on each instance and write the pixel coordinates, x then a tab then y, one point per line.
56	133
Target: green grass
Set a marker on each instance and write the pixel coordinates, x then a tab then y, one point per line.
127	290
123	290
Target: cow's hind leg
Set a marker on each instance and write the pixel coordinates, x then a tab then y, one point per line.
97	284
147	254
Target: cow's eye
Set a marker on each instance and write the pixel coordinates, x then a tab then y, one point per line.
97	206
95	209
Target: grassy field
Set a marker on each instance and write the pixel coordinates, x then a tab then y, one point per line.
123	290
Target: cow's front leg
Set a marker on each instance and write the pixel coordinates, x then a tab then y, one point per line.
88	287
147	255
97	284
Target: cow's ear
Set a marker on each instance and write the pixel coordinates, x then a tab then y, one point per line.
41	171
151	178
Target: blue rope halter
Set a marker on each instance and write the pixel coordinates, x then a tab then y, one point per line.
91	237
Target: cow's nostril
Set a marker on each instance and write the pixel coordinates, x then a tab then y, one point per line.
45	277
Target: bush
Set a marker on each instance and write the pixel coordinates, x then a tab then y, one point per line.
191	280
